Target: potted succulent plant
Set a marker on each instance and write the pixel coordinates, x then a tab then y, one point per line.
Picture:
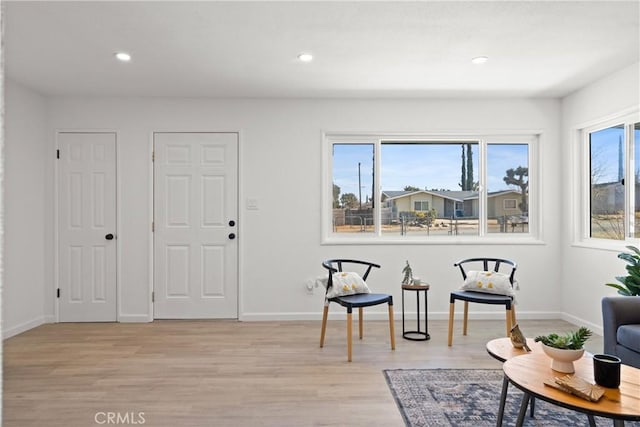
630	284
564	349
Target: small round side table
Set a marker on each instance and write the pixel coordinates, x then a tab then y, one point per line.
417	335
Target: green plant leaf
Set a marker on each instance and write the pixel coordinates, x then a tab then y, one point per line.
634	289
573	340
614	285
621	279
628	258
621	290
630	284
633	283
634	249
635	274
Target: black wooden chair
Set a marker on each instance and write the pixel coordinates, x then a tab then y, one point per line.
358	301
508	268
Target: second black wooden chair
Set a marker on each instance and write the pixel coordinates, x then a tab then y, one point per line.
483	264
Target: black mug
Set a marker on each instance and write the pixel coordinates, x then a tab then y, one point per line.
606	370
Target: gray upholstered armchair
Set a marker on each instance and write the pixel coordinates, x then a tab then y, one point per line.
621	328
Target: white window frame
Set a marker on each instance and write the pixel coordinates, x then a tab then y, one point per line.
531	138
509	208
582	214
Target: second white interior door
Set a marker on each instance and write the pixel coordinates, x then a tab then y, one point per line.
195	217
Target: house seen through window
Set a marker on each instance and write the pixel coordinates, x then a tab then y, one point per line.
430	188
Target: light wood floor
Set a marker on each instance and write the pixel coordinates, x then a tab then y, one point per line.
226	373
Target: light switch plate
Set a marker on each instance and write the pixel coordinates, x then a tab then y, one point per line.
252	204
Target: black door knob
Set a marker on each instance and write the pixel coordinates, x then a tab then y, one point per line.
232	236
232	223
109	236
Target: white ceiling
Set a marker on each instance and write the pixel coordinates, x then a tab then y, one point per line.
361	49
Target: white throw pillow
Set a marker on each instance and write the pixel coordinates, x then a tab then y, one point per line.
347	283
489	282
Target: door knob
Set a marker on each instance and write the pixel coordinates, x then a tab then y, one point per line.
232	236
232	223
109	236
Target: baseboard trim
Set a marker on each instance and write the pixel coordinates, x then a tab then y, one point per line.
134	318
23	327
261	317
597	329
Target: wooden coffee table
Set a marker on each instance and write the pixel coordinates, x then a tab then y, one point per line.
528	373
502	350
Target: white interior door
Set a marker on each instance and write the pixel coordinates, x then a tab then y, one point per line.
195	219
87	227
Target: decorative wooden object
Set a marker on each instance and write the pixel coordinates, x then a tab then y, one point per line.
577	386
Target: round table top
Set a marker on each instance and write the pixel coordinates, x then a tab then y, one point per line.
420	287
528	372
502	348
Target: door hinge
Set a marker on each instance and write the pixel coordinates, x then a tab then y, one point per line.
153	156
153	297
153	226
57	154
58	293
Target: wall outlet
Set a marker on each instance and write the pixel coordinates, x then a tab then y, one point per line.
309	286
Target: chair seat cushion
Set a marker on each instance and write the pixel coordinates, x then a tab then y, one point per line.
347	283
489	282
362	300
629	336
481	297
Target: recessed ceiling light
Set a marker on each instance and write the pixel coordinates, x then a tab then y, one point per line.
123	56
305	57
480	59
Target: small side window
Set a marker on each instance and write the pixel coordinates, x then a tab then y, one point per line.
510	204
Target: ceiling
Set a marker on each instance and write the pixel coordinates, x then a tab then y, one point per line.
361	49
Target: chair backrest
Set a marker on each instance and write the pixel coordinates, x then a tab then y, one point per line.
338	264
499	265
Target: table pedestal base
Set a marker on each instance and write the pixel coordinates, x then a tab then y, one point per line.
418	335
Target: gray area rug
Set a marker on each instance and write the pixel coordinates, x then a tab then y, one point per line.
470	397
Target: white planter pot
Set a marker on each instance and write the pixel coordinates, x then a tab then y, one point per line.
561	359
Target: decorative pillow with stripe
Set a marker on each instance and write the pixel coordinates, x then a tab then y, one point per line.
347	283
489	282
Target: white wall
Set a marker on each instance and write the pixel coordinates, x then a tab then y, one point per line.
280	152
280	161
24	210
584	270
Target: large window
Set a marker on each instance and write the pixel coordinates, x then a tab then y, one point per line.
441	174
614	180
432	188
